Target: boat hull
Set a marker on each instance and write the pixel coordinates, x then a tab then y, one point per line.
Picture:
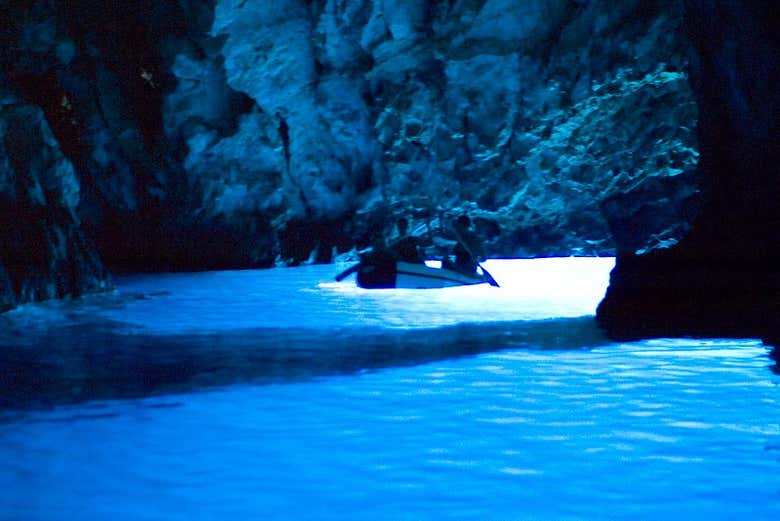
411	276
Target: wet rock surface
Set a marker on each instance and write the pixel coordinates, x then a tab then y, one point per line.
241	134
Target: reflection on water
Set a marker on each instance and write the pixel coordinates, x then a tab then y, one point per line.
317	400
308	298
665	429
178	332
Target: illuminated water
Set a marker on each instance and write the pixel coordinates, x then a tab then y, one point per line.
281	395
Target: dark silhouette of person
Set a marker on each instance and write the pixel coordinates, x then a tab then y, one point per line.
469	250
406	247
377	264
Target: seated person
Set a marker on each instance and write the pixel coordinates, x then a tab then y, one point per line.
378	252
468	251
406	247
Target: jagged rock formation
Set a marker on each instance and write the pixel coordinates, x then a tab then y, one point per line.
723	278
240	133
44	253
536	117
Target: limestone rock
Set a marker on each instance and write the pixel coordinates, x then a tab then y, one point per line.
242	133
43	252
535	117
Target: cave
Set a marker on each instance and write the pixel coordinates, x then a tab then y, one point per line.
187	189
647	132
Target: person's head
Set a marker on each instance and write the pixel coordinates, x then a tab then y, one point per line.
403	225
463	222
377	239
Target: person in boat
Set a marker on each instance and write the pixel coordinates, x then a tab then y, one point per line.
379	252
406	247
468	250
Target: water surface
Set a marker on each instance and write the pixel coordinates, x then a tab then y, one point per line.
283	395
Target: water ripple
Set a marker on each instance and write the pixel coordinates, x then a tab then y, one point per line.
538	419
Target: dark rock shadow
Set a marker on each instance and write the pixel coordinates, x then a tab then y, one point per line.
69	364
774	356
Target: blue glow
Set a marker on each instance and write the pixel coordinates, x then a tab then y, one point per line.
308	297
540	424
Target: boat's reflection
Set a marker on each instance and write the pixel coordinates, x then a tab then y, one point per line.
104	361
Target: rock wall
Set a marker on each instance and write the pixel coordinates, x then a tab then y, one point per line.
551	122
723	278
43	254
242	133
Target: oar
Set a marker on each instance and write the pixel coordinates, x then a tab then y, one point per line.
485	272
488	276
347	272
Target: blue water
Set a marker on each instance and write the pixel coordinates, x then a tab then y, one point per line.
283	395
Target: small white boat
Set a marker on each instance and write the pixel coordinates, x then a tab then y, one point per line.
412	276
399	274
